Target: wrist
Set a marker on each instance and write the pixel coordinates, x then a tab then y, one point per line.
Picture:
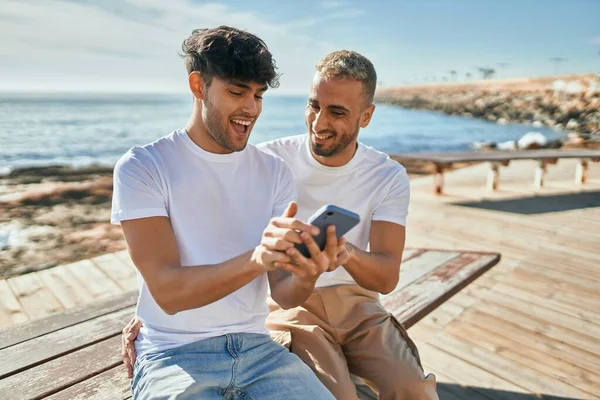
256	264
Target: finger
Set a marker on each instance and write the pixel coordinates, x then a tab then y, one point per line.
289	235
332	242
295	224
131	352
272	256
290	210
125	359
291	268
297	257
272	243
311	245
135	329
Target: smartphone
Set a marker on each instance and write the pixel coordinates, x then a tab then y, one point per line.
342	219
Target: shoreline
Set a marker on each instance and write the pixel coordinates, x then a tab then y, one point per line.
566	102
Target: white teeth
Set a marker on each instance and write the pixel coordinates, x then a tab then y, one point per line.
322	137
241	122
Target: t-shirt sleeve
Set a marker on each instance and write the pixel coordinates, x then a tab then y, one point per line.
285	189
137	192
394	206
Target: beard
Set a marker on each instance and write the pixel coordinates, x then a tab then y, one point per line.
338	146
217	126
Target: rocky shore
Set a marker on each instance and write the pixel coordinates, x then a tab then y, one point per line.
571	103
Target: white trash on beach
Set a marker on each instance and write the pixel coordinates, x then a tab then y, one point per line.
530	139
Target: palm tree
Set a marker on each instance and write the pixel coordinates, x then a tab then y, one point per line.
557	61
453	74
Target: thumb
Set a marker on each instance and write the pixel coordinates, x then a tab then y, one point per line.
291	210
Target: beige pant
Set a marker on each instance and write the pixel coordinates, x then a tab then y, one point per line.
343	330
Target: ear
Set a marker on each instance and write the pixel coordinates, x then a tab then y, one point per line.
197	86
365	118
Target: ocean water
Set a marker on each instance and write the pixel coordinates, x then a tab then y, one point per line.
79	130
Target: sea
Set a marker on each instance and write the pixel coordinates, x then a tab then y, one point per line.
96	129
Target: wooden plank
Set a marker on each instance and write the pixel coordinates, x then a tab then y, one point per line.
465	373
120	272
421	265
95	281
21	333
525	337
110	385
494	306
68	290
51	377
56	344
553	366
123	255
426	294
11	311
36	300
507	369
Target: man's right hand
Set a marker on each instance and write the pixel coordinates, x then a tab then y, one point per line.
130	332
280	235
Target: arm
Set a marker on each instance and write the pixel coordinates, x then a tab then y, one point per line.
379	268
154	252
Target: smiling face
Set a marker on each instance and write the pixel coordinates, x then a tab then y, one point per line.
230	109
335	112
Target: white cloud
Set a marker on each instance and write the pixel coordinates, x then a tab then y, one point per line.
132	45
595	40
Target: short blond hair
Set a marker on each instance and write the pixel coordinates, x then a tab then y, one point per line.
347	64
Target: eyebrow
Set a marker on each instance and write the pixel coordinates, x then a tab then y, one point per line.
331	107
243	85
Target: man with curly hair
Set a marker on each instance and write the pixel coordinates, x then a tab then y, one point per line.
193	206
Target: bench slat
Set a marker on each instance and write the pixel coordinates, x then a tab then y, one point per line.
427	293
48	347
110	385
20	333
60	373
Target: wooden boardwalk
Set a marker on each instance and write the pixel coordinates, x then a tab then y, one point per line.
530	326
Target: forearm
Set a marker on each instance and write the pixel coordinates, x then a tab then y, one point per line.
373	271
290	292
184	288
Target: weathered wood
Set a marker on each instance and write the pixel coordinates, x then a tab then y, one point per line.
427	293
508	369
416	267
67	289
36	299
11	311
41	349
110	385
60	373
118	270
96	281
21	333
493	176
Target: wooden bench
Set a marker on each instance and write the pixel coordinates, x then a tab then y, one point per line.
443	161
75	354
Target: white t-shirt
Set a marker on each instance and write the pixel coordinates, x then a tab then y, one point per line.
371	185
218	206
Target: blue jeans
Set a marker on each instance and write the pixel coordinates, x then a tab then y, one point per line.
234	366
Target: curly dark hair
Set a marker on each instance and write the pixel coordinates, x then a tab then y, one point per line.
229	53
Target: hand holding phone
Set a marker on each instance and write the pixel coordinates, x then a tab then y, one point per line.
343	220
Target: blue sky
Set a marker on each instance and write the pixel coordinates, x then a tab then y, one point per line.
132	45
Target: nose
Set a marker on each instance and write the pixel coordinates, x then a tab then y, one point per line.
319	124
250	106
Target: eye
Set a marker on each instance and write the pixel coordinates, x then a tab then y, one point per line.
313	106
237	94
337	113
258	97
